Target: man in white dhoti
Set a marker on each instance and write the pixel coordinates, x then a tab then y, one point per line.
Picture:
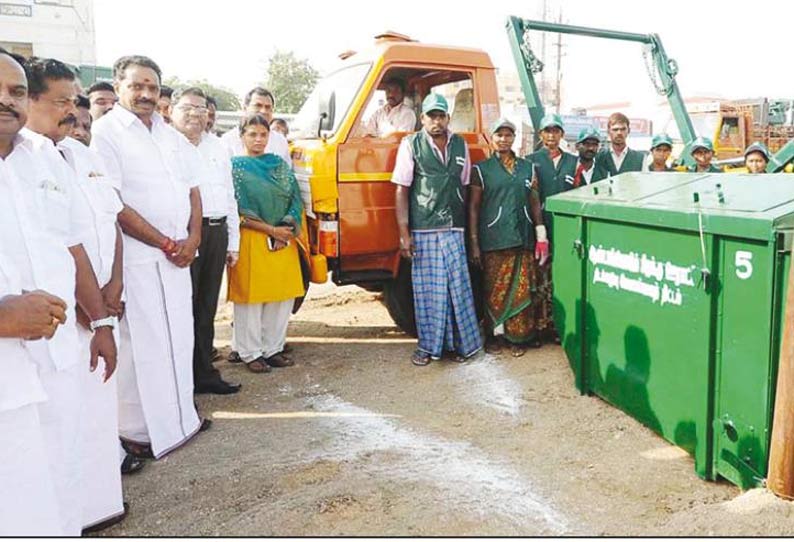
49	81
49	257
161	221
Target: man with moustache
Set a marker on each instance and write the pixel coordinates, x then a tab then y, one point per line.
29	504
220	233
432	174
102	98
100	480
41	237
395	115
151	166
587	145
259	100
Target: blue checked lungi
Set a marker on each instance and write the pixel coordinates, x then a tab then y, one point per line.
443	299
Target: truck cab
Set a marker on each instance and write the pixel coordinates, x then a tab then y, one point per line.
345	172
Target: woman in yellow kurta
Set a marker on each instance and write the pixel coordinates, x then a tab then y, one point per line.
267	278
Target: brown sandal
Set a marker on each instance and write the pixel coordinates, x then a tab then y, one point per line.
259	365
517	350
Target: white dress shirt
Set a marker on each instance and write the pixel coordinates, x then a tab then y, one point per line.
40	257
217	187
153	170
618	158
66	210
276	144
19	380
388	120
104	203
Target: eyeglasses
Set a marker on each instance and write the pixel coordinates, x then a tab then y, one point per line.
195	109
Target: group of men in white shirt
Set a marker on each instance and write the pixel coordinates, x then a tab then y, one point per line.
122	243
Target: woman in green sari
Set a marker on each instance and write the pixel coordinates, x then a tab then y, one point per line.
267	278
503	208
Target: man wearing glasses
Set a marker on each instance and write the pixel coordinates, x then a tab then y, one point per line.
220	232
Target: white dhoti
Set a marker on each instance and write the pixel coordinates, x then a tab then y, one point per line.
155	375
260	329
99	432
28	505
60	422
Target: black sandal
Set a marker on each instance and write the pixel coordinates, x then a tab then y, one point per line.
420	358
141	451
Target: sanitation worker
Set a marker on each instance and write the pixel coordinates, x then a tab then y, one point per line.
432	173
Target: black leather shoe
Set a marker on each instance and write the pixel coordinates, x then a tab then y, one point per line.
217	387
132	464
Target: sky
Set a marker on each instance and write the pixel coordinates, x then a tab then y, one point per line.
720	49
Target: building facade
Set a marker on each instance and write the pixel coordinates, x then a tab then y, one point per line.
62	29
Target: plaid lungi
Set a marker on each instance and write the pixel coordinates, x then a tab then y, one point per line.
443	300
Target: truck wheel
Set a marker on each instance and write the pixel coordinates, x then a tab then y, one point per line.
398	296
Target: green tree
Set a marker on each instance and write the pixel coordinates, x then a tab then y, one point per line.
227	99
290	79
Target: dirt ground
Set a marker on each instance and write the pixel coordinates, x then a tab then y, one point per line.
354	440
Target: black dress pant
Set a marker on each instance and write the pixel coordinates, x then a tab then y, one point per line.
207	274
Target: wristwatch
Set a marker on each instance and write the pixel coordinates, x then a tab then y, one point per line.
110	321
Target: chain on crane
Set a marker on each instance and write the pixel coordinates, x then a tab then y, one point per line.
534	64
647	53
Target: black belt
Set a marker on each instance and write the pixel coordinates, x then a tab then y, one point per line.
213	221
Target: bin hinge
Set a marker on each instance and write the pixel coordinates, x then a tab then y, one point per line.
578	248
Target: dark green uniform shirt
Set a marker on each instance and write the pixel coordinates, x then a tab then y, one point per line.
436	197
551	178
504	214
605	165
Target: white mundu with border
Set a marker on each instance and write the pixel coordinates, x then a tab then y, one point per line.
151	170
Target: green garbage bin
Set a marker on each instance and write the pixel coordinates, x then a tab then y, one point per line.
668	296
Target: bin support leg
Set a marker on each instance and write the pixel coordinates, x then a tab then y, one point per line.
781	452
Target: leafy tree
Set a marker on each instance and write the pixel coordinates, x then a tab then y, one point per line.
227	99
290	79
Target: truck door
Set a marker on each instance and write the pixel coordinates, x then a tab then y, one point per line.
368	235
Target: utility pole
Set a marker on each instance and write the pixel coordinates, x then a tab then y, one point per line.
543	80
558	86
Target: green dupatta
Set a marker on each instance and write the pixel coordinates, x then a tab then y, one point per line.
266	189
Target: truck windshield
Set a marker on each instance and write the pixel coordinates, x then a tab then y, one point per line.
344	84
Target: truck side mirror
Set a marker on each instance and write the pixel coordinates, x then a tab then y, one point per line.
327	112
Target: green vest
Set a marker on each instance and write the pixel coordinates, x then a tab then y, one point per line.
552	179
436	200
605	165
504	214
712	169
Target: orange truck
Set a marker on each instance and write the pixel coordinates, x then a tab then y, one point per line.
345	172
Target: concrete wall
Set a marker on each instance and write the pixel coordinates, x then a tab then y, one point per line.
62	29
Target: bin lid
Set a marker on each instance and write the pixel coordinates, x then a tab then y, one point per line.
741	205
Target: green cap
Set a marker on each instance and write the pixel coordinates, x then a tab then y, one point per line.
550	120
757	147
661	139
435	102
503	123
588	133
701	143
